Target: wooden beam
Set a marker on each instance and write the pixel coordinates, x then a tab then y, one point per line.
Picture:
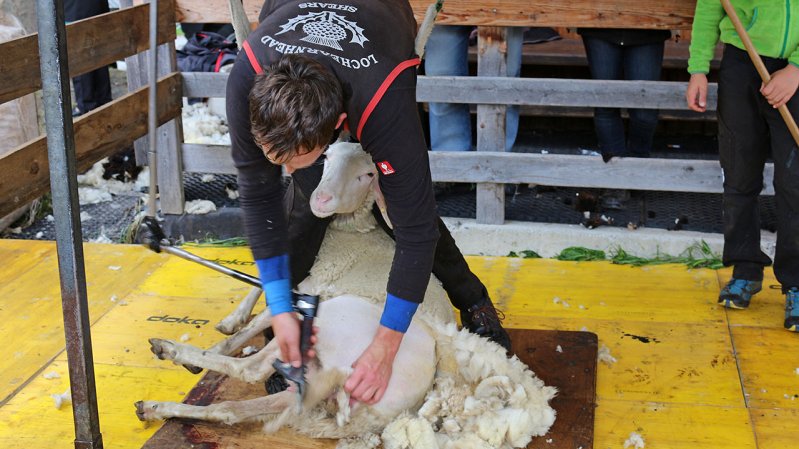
671	175
24	173
671	14
550	92
198	158
90	45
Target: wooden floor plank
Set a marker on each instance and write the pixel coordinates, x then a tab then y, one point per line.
32	314
768	359
679	392
181	278
31	421
580	290
776	428
672	426
121	336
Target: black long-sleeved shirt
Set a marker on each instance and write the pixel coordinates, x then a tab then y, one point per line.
369	46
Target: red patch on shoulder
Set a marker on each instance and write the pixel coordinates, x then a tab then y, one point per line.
385	167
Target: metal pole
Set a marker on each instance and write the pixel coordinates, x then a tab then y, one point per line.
152	118
63	184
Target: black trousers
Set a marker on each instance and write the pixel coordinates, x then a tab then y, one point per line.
750	131
306	232
92	89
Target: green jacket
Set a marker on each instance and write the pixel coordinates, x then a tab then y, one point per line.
773	26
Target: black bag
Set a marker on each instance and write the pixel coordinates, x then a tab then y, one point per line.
206	51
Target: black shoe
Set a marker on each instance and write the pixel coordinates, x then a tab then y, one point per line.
486	321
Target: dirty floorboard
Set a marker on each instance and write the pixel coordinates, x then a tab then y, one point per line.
687	373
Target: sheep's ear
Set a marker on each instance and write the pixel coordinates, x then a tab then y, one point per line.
380	200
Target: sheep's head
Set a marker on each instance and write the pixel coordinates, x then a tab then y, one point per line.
348	178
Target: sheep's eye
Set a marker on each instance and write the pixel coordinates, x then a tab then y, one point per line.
371	175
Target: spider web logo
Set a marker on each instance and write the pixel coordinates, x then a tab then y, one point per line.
325	28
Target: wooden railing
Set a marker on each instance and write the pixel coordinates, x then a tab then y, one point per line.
490	167
24	173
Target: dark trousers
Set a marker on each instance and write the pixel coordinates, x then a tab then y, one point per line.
306	232
92	89
610	61
750	131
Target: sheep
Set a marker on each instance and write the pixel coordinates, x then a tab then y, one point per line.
449	388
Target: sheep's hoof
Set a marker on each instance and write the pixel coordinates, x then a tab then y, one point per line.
193	369
140	410
163	349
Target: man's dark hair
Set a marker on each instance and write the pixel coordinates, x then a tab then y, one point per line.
294	106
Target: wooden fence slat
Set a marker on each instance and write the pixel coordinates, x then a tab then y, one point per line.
549	92
673	14
24	174
556	92
491	62
88	45
559	170
198	158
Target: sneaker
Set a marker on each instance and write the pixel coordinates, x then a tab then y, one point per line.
792	309
738	292
486	321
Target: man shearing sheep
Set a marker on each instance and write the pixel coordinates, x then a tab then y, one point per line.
309	70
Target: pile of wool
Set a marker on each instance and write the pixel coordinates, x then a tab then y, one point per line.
481	399
93	189
202	126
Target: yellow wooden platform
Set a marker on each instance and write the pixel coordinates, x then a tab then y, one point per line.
689	373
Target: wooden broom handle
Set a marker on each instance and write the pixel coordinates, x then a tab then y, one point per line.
761	68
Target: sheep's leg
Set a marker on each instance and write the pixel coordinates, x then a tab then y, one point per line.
230	345
255	368
238	317
228	412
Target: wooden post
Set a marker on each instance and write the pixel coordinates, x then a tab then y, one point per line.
492	54
170	135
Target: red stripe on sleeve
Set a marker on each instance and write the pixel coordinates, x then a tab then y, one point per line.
251	56
382	90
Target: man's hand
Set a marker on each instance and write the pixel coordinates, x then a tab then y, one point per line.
696	93
782	86
287	331
372	370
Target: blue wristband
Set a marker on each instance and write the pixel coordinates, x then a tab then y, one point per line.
398	313
275	279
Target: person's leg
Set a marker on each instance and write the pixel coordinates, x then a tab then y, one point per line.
92	89
642	62
306	230
605	63
743	149
446	54
514	66
785	153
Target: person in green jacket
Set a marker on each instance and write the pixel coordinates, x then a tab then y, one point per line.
751	130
